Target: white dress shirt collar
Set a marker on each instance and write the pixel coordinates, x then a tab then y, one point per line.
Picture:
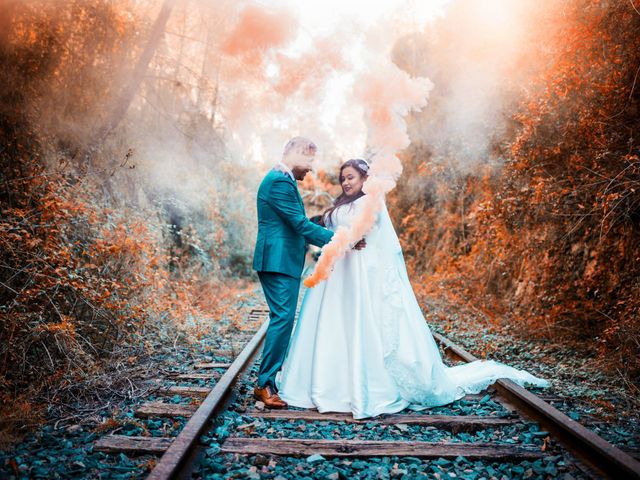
284	168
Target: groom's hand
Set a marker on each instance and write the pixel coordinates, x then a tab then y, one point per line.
360	245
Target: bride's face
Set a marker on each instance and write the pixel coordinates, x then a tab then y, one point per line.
351	181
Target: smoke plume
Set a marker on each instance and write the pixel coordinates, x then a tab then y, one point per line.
387	95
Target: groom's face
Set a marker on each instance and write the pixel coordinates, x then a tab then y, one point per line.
303	166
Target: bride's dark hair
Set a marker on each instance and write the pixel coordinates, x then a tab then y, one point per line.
362	168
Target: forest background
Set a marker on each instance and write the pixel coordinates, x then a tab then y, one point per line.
127	187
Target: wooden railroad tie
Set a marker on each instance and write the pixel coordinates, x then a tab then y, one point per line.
209	365
165	410
329	448
127	444
453	423
226	354
372	448
184	390
199	376
220	352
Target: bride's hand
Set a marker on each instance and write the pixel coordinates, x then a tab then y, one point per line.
360	245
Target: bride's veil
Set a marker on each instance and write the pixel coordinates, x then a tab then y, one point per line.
423	380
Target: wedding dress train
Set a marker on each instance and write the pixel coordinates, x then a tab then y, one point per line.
362	345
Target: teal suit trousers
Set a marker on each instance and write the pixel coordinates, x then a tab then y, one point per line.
281	293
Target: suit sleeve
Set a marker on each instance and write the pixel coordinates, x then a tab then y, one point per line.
284	200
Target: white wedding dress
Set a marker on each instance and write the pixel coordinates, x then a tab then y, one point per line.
361	343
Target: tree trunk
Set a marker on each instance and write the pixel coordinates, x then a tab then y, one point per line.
130	89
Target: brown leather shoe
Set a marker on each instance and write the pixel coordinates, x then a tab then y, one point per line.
269	397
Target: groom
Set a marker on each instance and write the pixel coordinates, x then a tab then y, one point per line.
283	231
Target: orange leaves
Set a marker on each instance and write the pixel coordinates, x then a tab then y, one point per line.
12	236
65	326
73	270
552	237
407	219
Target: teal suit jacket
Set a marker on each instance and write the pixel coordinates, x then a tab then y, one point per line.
283	227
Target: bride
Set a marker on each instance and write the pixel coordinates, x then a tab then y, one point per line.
361	343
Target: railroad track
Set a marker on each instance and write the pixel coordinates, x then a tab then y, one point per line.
594	457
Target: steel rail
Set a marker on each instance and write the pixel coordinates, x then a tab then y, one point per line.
176	455
597	453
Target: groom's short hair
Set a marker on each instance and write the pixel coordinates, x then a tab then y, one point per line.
299	146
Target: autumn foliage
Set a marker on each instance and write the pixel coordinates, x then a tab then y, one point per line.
92	257
548	233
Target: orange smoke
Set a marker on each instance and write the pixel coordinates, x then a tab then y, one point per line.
316	65
257	31
261	69
387	95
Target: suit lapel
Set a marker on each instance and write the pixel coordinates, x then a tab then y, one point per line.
295	185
